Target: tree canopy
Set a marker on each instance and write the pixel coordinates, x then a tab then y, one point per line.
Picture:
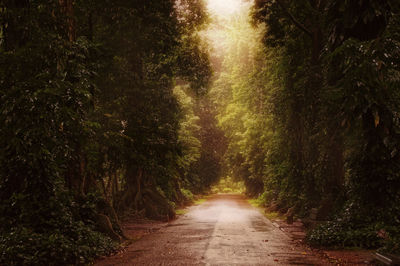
90	126
308	100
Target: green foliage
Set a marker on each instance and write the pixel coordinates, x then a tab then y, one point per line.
228	185
200	201
58	233
202	143
109	97
334	234
188	195
255	202
391	239
262	202
353	227
356	229
239	94
311	117
80	245
46	92
87	105
369	82
181	211
332	110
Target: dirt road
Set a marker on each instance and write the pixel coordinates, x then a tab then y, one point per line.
225	230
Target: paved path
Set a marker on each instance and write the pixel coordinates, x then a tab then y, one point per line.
225	230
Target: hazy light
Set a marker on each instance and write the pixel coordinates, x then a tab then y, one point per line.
224	7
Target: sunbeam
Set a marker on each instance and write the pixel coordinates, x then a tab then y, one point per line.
224	7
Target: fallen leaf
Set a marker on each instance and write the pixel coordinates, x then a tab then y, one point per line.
376	119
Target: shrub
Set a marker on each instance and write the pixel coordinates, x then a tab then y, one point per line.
337	234
60	231
187	194
79	245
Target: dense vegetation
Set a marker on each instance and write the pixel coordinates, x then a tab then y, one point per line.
110	108
91	126
309	101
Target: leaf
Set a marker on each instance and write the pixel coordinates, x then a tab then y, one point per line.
376	115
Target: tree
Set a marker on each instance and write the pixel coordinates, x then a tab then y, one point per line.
332	65
89	120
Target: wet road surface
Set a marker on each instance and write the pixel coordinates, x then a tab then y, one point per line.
224	230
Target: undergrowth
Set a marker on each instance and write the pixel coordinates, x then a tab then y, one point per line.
61	232
354	228
259	203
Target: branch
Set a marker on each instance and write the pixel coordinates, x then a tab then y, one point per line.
297	23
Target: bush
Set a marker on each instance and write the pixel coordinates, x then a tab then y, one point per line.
228	185
337	234
60	231
80	245
187	194
355	227
391	238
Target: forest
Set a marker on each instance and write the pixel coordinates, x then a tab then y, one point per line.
116	108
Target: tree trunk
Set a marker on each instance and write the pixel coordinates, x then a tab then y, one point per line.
67	7
138	195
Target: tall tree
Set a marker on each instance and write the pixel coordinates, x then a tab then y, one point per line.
89	120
